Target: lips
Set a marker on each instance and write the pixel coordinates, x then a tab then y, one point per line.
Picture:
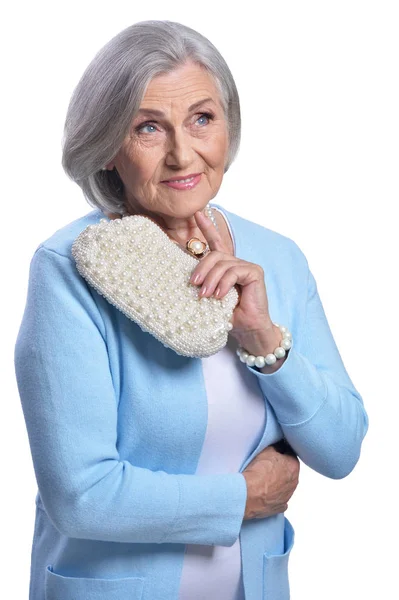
188	183
180	178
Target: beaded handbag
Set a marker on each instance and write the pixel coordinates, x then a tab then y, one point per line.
133	263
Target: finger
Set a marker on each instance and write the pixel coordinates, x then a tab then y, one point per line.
210	232
222	275
226	282
205	265
232	273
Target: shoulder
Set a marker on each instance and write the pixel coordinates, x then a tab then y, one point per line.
52	270
62	239
55	284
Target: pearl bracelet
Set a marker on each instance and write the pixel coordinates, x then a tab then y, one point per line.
269	359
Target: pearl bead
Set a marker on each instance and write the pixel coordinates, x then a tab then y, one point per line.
244	356
260	361
197	247
270	359
286	344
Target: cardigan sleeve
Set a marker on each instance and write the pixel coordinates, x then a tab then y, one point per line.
70	410
320	411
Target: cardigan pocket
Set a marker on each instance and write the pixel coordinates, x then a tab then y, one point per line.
275	568
60	587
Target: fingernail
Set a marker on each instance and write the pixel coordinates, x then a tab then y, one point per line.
196	278
217	292
203	291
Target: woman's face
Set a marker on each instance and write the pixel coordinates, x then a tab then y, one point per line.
175	142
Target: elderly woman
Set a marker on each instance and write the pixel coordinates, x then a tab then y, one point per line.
162	476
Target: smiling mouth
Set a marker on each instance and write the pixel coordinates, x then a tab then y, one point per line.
181	179
186	183
187	180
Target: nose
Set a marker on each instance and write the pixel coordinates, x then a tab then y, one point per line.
180	149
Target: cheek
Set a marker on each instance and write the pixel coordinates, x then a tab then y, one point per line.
217	150
141	168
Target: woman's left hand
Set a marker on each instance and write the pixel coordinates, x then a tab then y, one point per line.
219	269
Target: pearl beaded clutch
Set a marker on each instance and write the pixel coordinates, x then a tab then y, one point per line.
133	263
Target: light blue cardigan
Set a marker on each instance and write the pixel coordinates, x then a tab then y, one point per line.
116	422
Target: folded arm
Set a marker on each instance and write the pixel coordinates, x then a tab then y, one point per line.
70	410
320	412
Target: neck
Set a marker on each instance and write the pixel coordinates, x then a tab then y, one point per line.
179	230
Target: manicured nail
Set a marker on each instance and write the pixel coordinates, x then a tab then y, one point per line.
217	292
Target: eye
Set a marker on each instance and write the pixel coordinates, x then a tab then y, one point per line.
209	116
139	128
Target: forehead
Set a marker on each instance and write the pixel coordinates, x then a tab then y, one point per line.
182	86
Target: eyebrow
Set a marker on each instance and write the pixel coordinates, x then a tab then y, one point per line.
159	113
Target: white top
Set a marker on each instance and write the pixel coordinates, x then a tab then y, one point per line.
236	420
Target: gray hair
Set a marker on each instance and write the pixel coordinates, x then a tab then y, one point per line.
110	92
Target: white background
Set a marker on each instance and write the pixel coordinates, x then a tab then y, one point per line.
318	83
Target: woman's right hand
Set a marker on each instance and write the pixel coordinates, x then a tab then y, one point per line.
271	479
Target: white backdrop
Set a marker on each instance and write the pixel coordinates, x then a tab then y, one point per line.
318	84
